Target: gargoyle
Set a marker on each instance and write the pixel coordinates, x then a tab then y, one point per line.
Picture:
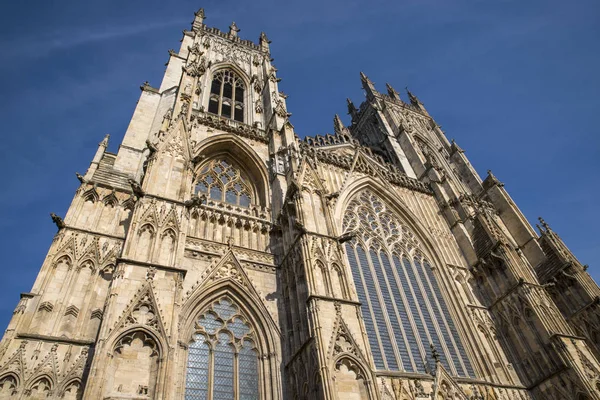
58	221
80	177
151	146
137	189
346	236
196	160
195	201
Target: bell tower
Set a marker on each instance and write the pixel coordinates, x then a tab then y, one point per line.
217	255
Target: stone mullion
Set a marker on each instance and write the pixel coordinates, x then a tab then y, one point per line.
381	254
437	324
419	339
236	371
408	312
361	269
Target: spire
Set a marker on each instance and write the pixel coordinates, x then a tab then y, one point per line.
338	125
366	82
368	86
198	20
413	99
392	92
264	41
233	29
352	111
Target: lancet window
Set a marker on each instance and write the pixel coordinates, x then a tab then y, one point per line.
222	359
219	180
403	309
227	95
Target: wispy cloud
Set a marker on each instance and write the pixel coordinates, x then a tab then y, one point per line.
30	47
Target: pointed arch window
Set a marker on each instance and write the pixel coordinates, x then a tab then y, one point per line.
219	180
402	304
227	95
222	359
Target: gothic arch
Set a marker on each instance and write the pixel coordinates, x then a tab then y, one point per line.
146	237
115	337
67	384
394	204
267	335
248	111
62	257
390	261
252	307
35	381
10	383
87	263
147	374
360	386
232	146
216	67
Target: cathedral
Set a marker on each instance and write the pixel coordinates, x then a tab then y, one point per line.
218	256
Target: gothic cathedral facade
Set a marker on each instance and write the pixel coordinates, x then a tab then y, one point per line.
218	256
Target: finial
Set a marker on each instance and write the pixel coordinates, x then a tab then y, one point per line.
104	141
392	92
539	228
198	20
351	109
544	224
263	38
264	41
365	79
413	99
233	29
338	125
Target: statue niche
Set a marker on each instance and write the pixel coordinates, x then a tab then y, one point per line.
134	368
349	381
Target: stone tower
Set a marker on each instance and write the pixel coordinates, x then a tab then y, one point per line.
218	256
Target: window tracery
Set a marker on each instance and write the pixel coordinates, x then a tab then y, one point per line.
221	181
227	95
222	359
402	304
8	386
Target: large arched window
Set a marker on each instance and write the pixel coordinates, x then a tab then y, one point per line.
227	95
221	181
402	306
222	359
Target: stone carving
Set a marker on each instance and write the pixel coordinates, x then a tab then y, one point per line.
142	310
58	221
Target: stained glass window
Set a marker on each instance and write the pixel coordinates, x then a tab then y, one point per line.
221	181
222	358
402	305
227	95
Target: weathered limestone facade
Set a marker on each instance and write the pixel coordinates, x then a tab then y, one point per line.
218	256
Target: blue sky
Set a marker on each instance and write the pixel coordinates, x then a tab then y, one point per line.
516	84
